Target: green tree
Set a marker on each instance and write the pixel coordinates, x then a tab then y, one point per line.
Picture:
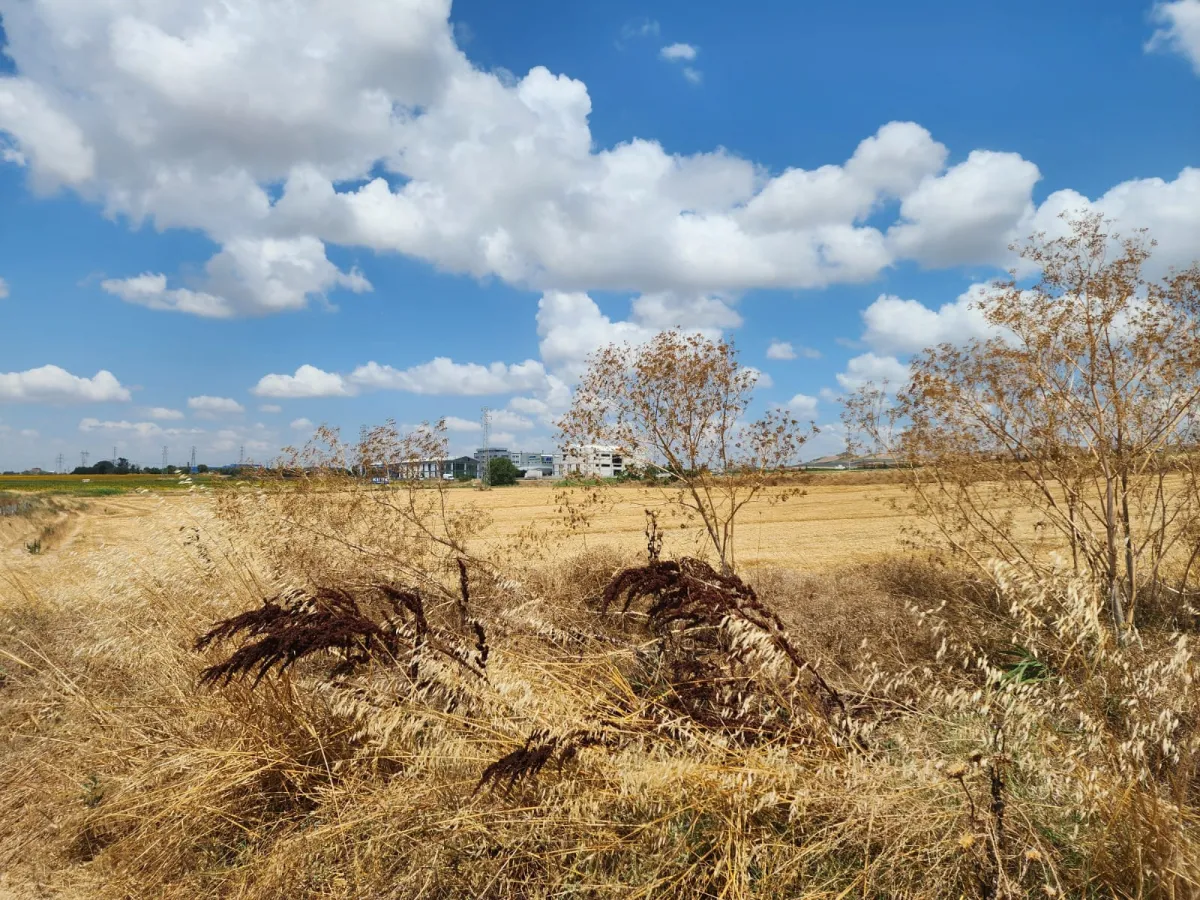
502	471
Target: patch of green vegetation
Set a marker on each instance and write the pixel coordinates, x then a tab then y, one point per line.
104	490
98	485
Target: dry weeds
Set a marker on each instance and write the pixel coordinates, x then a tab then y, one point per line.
1010	748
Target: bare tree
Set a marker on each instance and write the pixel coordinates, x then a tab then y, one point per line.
351	512
679	403
1076	419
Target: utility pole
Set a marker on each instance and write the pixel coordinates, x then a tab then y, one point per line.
60	464
487	455
241	456
165	457
114	456
193	459
83	458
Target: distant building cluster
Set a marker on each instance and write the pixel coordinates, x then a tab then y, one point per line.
592	461
533	464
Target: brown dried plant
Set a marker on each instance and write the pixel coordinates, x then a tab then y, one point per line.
333	621
542	748
1079	416
726	657
677	406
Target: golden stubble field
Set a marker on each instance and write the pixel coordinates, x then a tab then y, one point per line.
828	527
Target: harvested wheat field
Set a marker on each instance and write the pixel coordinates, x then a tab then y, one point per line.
521	715
828	526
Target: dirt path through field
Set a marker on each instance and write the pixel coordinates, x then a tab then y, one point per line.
70	535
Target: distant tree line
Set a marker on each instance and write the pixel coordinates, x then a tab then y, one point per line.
124	467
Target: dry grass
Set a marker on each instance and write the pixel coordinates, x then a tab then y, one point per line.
121	776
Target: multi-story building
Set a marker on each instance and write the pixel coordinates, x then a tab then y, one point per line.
542	463
591	461
525	461
483	455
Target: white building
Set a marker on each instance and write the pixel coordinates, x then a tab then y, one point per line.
591	461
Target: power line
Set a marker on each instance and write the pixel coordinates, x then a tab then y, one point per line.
193	459
165	458
60	464
83	458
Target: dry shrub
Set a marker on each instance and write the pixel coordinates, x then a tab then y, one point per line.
571	582
721	657
14	505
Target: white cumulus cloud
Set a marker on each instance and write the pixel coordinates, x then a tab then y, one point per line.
309	381
509	420
301	424
802	405
678	52
571	325
780	350
969	214
896	326
455	423
248	277
444	376
1179	30
368	127
51	384
3	289
761	378
215	405
870	367
138	429
163	413
1170	210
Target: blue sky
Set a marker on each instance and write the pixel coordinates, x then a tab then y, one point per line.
224	222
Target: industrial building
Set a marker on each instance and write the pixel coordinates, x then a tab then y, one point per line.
426	469
591	461
527	462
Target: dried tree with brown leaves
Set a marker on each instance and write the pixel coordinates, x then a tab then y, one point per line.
1080	412
679	404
